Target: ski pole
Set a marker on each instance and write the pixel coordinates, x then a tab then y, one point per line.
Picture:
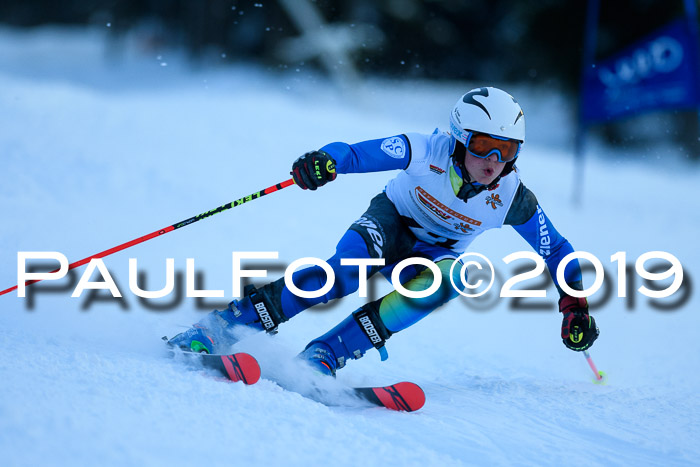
599	375
170	228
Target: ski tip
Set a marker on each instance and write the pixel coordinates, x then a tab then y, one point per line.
404	397
241	367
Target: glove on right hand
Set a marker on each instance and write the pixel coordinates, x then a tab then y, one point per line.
313	169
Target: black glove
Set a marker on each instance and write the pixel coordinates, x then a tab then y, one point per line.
313	169
578	329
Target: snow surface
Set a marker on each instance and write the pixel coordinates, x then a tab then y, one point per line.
101	144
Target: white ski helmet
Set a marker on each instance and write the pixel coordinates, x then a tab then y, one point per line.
487	110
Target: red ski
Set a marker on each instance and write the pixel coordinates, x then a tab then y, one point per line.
236	367
404	397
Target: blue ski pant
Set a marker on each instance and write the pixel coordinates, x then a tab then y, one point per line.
380	233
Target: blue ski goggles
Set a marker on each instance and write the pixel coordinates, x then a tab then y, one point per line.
483	145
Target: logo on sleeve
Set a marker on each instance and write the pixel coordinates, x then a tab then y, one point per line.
545	239
394	147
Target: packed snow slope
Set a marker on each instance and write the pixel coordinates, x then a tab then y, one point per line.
102	144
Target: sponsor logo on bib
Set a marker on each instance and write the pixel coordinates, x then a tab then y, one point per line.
436	169
494	200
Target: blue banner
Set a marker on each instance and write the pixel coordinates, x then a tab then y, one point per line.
658	72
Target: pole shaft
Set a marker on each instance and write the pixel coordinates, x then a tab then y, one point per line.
597	374
170	228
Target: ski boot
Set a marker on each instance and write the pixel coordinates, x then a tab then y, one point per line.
320	357
349	340
211	334
214	334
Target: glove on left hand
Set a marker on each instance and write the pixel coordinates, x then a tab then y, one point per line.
578	329
313	169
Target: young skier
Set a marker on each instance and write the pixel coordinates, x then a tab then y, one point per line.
452	187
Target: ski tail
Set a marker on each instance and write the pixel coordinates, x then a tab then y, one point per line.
404	397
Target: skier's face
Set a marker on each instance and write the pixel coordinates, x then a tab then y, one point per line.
483	171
